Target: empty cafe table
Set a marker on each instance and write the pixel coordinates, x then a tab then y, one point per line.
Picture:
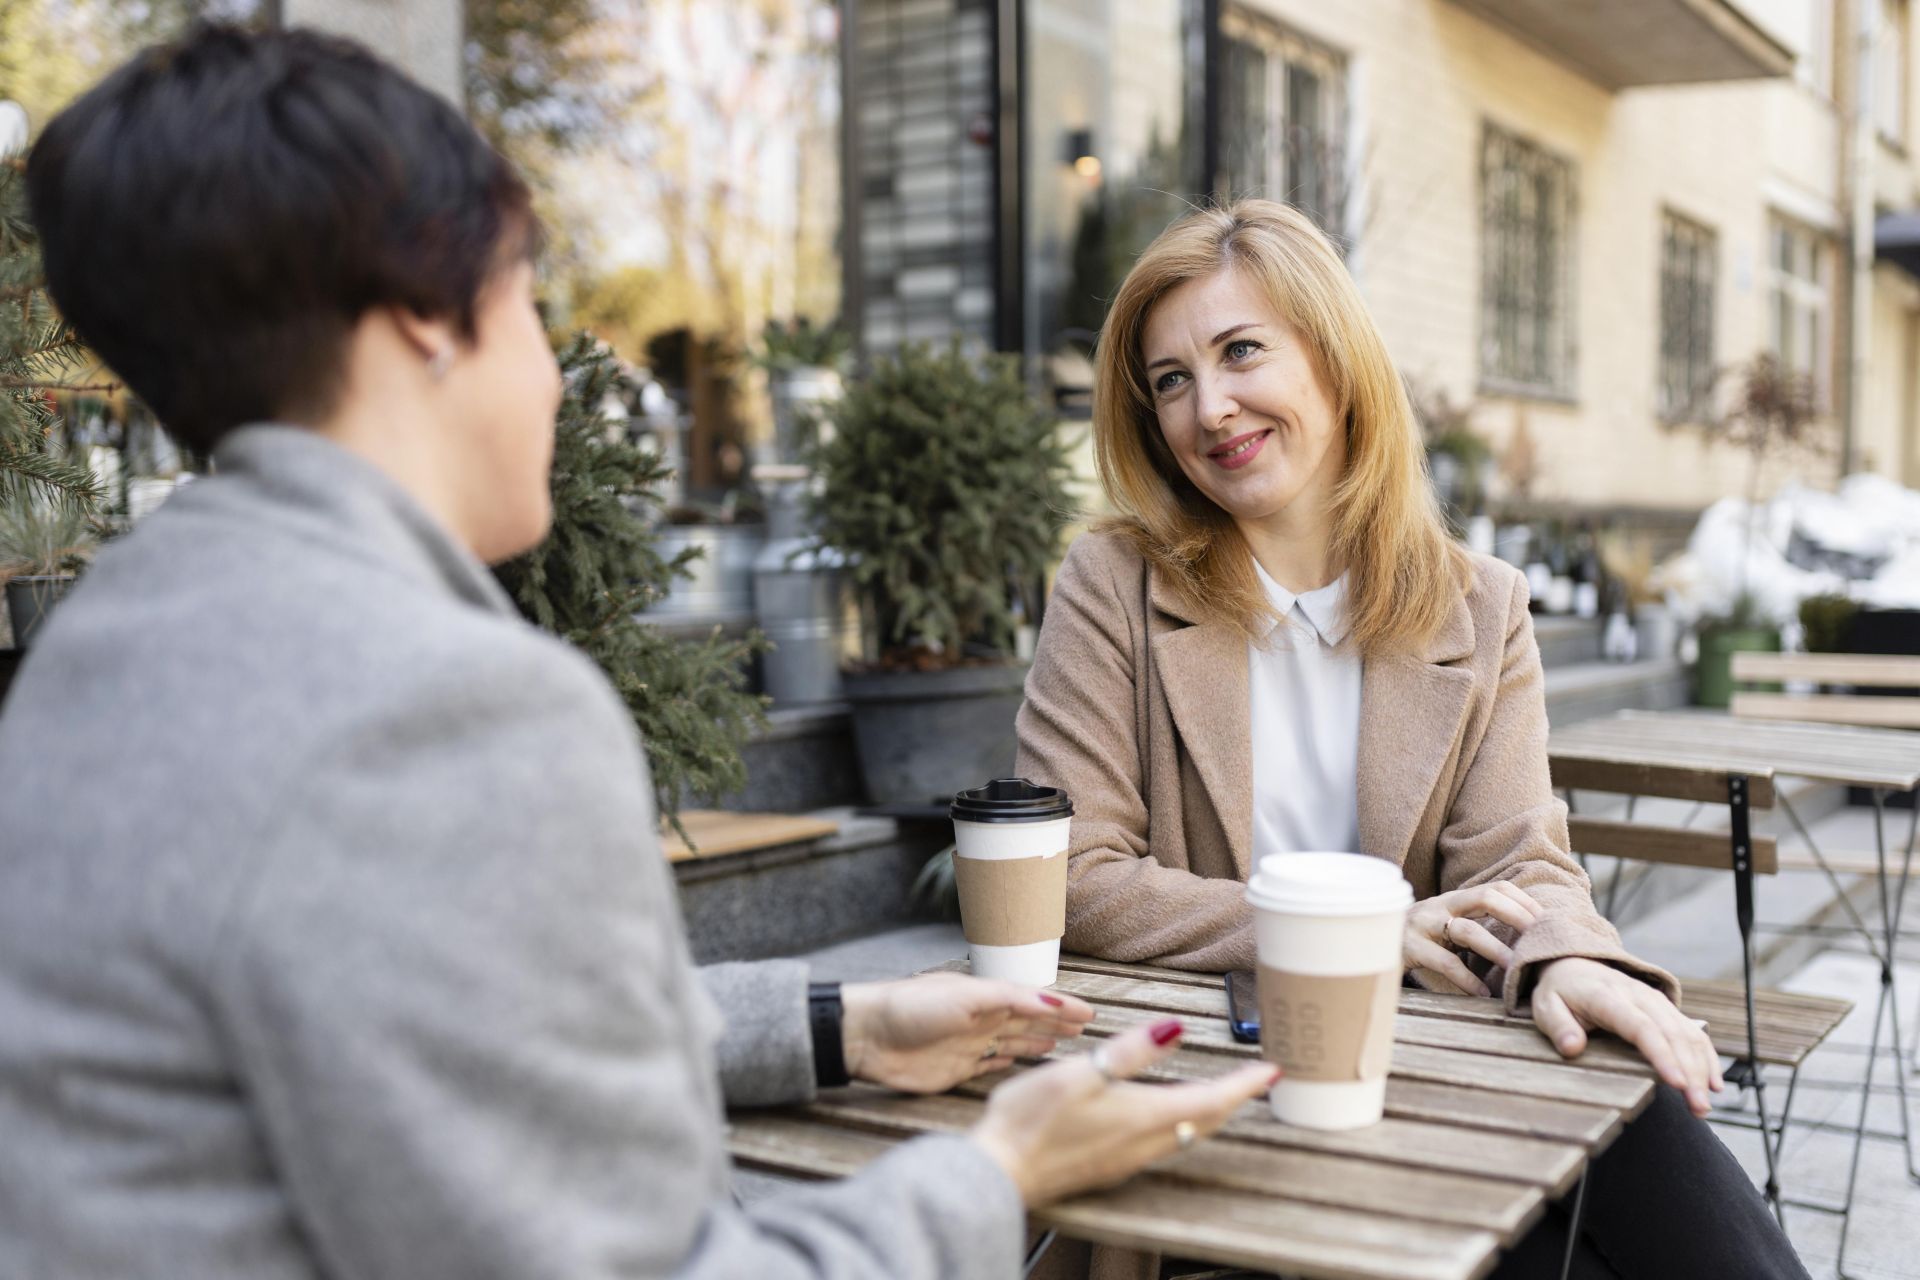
1484	1124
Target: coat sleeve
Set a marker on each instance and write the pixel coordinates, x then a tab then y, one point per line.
1505	823
462	1013
1077	730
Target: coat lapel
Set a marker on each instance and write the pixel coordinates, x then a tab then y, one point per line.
1203	669
1411	708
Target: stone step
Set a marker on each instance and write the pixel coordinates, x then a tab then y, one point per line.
796	898
1565	642
1584	690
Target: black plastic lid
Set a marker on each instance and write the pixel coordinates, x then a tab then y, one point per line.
1011	800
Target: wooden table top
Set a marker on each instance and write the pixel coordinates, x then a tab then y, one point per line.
1712	742
1484	1123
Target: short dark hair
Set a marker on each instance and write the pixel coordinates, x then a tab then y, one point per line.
217	214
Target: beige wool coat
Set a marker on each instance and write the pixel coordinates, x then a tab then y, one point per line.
1140	713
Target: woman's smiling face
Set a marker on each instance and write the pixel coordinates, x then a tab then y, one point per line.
1240	403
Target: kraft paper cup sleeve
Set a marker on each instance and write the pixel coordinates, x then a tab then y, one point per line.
1328	1028
1010	902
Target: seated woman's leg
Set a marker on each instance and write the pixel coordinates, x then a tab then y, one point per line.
1667	1199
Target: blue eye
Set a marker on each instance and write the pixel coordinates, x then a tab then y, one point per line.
1234	351
1164	383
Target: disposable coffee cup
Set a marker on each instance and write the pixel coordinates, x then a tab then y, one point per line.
1010	865
1328	929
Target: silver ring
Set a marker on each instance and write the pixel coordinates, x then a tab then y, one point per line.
1099	1060
1184	1133
993	1050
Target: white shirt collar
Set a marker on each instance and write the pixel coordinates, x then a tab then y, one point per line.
1323	610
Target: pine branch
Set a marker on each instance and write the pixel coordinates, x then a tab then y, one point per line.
63	481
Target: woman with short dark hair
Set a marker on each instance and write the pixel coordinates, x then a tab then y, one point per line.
335	937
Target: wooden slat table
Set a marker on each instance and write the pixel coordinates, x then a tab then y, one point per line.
1484	1123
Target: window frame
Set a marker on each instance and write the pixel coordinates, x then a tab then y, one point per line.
1701	244
1286	53
1809	294
1509	162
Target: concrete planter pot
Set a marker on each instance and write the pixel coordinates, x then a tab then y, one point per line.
722	582
30	599
923	735
795	392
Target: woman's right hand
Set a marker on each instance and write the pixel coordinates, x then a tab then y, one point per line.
1438	925
1065	1128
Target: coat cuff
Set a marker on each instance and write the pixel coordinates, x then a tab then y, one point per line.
1591	938
976	1216
765	1050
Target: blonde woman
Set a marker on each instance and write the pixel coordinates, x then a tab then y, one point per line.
1275	645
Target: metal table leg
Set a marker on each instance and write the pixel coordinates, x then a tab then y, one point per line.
1039	1251
1573	1223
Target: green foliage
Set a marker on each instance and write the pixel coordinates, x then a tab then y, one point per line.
38	354
800	345
39	535
1825	620
598	567
945	482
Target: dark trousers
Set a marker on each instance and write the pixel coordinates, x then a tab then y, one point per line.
1666	1199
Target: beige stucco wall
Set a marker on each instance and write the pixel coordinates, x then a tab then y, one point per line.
1424	77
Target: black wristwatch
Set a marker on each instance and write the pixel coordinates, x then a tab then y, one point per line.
829	1046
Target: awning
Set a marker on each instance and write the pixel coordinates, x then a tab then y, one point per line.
1896	239
1623	43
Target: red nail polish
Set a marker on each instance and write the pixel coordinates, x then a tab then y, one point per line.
1165	1033
1055	1001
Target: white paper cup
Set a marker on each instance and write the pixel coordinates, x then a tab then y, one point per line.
1333	916
1010	819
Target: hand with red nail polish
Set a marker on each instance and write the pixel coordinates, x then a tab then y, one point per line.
927	1034
1074	1126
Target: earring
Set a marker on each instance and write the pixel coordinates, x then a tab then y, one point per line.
438	364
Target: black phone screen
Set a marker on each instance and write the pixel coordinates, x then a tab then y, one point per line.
1243	1007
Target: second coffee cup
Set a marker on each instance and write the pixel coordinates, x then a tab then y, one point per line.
1010	866
1328	928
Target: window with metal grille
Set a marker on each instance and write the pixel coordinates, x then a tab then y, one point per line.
1283	126
1527	278
1687	262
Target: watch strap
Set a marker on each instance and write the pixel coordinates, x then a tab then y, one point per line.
824	1017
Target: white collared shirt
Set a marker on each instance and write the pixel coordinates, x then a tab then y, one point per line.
1304	693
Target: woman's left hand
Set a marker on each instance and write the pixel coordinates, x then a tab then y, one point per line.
927	1034
1574	995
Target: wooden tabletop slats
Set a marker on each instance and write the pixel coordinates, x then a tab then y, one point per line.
1484	1122
1862	670
1717	744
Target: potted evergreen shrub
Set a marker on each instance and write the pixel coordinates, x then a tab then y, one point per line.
43	542
802	362
600	565
944	484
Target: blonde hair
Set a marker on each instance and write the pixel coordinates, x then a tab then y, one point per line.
1404	572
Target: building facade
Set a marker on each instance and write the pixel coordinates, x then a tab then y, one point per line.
1577	221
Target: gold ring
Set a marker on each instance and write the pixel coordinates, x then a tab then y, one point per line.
1447	933
993	1050
1184	1133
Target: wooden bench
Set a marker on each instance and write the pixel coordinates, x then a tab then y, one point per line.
715	832
1851	670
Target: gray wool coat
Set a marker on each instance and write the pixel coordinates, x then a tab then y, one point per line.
335	939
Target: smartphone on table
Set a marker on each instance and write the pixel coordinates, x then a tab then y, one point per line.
1243	1007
